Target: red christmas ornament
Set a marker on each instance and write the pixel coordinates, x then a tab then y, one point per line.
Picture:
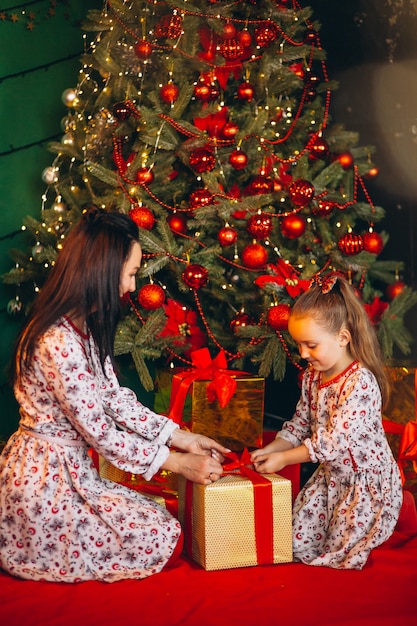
143	217
229	30
254	256
266	34
350	244
202	160
230	130
199	198
205	92
169	27
394	289
227	236
319	149
177	223
151	297
372	242
324	208
231	49
122	111
240	321
346	160
143	49
238	159
259	226
169	93
144	176
245	38
301	192
278	316
245	91
195	276
259	185
293	226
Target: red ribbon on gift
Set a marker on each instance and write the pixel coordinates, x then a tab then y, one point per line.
408	443
262	495
222	385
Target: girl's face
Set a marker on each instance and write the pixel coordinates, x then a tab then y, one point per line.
326	352
129	271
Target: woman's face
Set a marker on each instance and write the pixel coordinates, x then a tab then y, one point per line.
129	271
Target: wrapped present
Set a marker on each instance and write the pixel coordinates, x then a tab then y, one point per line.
226	405
237	521
400	423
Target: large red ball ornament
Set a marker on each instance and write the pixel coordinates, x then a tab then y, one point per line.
169	93
177	223
373	243
254	256
199	198
278	316
151	297
202	160
266	34
259	226
195	276
227	236
293	226
143	49
143	217
144	176
394	290
346	160
350	244
245	91
238	159
301	192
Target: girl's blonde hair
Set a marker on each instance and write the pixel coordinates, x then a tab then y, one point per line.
334	305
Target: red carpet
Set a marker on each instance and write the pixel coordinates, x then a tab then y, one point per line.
382	594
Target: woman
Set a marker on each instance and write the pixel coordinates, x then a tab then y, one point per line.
59	520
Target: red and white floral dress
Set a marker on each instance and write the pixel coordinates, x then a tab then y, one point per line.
352	502
59	520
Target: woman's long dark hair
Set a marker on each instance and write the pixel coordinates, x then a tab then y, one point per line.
83	283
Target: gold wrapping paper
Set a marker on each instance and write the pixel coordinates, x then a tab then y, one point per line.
164	479
237	426
223	528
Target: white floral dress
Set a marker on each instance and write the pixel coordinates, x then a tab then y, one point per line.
59	520
352	502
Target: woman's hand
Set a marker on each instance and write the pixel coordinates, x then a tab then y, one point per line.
198	444
200	468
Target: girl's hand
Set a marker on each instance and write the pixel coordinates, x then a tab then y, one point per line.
268	463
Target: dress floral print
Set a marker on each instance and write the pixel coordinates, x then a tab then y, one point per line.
59	520
352	502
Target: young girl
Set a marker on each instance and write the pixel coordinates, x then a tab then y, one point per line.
59	520
352	502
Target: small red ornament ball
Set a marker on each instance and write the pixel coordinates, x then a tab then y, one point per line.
230	130
319	149
229	30
121	111
177	223
395	289
202	160
259	226
240	321
278	316
245	91
350	244
199	198
301	192
144	176
346	160
151	297
245	38
254	256
372	242
227	236
169	93
231	49
238	159
293	226
205	92
143	49
195	276
143	217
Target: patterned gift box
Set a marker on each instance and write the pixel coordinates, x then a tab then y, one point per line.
224	528
237	425
400	422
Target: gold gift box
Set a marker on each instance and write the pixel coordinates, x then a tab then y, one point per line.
237	426
223	521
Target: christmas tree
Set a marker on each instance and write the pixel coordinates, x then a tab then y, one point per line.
209	125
